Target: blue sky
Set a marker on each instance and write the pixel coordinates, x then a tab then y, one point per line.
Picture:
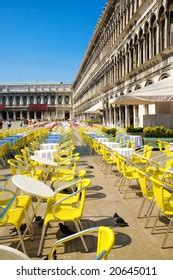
45	40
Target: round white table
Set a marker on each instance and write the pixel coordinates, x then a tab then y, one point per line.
49	146
32	186
48	165
126	152
44	161
48	154
9	253
101	139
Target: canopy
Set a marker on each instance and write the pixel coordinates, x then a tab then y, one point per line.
161	91
95	109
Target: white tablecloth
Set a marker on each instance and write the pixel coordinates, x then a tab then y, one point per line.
47	154
49	146
102	140
137	139
112	145
126	152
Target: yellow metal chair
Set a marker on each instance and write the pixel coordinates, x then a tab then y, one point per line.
12	214
105	241
66	213
163	196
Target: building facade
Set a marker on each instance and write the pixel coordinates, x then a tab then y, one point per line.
131	48
43	101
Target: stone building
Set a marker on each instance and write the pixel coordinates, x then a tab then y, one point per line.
131	48
50	101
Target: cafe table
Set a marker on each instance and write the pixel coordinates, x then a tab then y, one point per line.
47	163
34	188
48	154
126	152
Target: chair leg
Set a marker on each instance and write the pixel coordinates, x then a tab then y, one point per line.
149	216
140	210
155	223
42	240
21	240
167	233
82	238
126	191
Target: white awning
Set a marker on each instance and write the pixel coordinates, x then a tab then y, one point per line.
95	109
161	91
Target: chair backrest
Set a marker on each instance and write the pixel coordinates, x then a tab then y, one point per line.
159	193
144	181
15	167
147	151
105	242
5	207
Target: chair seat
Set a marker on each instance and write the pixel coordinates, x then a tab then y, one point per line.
64	213
13	217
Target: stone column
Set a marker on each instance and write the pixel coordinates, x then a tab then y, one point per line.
21	115
27	102
144	49
120	119
35	116
7	100
157	38
135	116
42	99
139	52
7	115
126	116
115	116
21	100
28	115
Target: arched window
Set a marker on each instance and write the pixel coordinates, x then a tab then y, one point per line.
128	53
45	99
163	76
31	100
141	42
11	101
147	42
137	87
131	55
52	100
67	99
24	100
38	100
136	52
4	100
60	99
18	100
153	35
170	10
161	29
148	83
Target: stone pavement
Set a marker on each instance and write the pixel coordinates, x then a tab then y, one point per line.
103	200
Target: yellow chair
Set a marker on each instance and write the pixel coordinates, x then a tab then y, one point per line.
66	213
12	215
128	173
105	241
164	201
